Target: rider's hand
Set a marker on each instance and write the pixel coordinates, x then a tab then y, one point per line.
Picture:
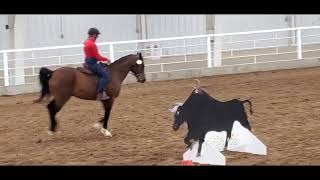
106	62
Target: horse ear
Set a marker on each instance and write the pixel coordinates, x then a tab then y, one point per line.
140	56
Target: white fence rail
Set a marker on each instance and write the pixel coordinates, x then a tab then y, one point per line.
21	66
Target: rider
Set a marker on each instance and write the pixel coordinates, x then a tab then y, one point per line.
92	57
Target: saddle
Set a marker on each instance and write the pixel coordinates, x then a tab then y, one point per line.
85	69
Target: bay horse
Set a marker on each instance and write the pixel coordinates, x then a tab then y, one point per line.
63	83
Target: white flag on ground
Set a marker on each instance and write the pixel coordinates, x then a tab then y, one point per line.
242	140
209	155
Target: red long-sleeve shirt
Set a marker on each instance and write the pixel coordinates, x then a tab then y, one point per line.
91	50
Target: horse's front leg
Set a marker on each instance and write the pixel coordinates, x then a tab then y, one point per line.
100	123
104	122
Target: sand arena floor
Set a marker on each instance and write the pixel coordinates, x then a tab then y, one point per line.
286	118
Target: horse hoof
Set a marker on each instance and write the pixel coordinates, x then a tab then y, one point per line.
198	155
105	132
50	133
97	126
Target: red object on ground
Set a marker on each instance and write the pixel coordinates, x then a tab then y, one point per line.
187	163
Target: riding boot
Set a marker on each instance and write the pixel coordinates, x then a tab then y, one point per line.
102	96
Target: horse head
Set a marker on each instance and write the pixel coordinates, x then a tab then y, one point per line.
137	67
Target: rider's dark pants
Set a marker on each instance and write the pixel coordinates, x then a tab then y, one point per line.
103	75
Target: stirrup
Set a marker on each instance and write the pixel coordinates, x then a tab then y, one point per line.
102	96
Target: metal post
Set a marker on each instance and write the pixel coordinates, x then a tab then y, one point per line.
111	53
299	43
209	51
6	69
184	48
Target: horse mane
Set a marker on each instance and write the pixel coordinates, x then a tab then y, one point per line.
122	59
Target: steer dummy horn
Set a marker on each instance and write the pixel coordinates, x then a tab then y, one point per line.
198	84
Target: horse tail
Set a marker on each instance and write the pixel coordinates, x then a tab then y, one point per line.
248	101
44	77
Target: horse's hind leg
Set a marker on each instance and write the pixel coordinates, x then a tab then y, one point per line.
54	107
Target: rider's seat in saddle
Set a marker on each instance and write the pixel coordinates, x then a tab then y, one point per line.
85	69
